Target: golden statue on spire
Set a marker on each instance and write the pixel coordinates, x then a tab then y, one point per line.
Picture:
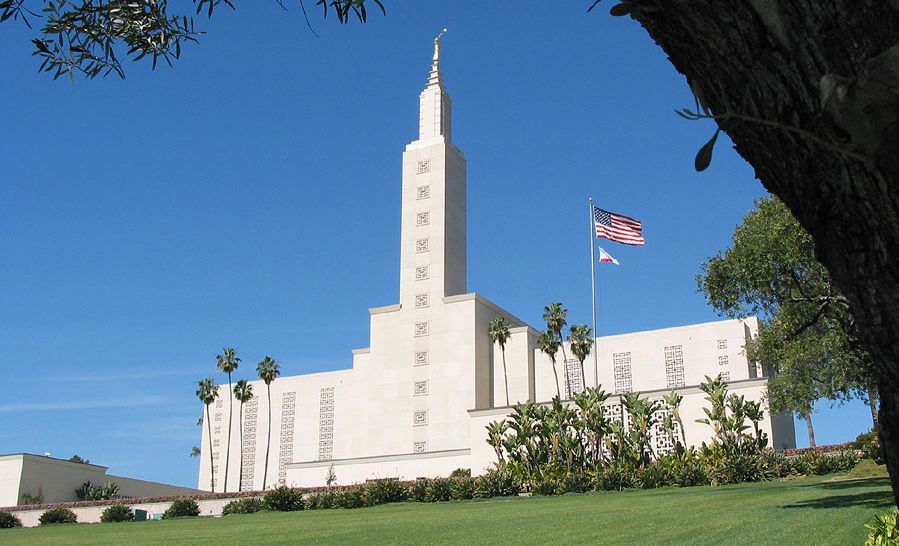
437	46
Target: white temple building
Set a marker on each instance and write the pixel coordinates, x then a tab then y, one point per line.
417	400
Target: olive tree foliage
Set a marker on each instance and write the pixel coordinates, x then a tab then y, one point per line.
807	334
94	37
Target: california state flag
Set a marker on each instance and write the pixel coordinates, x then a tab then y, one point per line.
606	257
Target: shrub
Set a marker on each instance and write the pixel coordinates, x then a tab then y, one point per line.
655	475
183	507
116	513
283	499
350	498
869	444
617	477
462	488
419	490
737	467
8	520
384	491
690	473
883	530
496	482
249	505
323	500
460	473
28	498
440	489
58	515
91	492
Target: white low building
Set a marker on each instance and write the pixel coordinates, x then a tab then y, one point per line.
416	401
51	480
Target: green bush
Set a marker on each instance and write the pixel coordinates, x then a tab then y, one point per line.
283	499
383	491
462	488
460	473
737	467
350	498
439	490
8	520
419	490
869	444
496	482
183	507
617	477
116	513
58	515
249	505
655	475
321	501
883	530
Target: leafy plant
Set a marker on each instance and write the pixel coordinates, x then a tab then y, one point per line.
460	473
384	491
440	489
463	488
883	530
91	492
353	497
8	520
283	499
249	505
496	482
869	444
419	490
183	507
58	515
116	513
320	501
28	498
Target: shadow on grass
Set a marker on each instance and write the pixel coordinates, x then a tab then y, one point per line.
842	484
868	499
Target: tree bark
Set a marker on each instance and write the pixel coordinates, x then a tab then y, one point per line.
268	440
811	429
240	472
872	405
505	375
228	446
763	67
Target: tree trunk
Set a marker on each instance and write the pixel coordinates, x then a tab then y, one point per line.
228	445
211	460
806	90
811	429
268	441
872	405
240	473
505	375
555	373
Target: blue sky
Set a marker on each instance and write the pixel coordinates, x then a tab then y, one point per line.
249	197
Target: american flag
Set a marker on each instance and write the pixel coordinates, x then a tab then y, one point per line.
618	228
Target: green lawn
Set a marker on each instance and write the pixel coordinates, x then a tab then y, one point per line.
807	511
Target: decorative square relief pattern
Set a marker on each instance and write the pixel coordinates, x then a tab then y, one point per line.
674	366
215	455
421	388
420	418
285	450
662	440
421	300
217	430
326	424
422	245
218	417
215	443
622	369
722	360
424	166
248	444
615	413
419	447
422	192
421	329
219	403
422	272
725	375
574	382
422	218
722	344
421	358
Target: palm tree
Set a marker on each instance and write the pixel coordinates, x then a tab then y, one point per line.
554	315
581	343
549	346
227	363
207	393
243	391
268	370
499	333
496	433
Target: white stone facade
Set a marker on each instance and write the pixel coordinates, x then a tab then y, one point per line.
416	401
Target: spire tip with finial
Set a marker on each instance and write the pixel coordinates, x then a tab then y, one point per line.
437	45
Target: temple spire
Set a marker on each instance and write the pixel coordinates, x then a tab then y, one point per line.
435	104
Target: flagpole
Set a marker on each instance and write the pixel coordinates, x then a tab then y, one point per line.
593	295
